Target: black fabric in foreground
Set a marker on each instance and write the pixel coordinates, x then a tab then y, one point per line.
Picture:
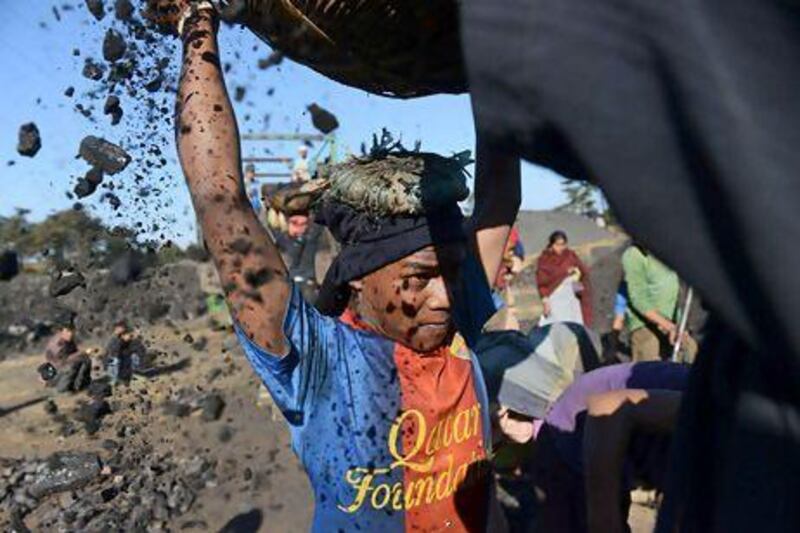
686	113
369	243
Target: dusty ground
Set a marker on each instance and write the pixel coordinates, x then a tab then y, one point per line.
255	469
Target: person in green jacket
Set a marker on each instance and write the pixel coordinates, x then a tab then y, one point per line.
652	314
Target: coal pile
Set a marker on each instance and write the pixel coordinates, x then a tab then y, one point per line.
29	140
128	292
116	490
127	268
64	471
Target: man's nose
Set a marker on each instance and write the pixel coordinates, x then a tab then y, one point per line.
439	297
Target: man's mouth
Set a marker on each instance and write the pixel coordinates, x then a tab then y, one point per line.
435	326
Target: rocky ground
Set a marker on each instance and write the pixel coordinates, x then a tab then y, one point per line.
190	448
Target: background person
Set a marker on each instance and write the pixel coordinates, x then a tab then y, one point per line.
652	315
392	361
300	171
563	283
67	368
593	439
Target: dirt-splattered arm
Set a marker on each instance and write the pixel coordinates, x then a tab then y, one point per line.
252	273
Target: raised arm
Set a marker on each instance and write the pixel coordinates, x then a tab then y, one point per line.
249	265
497	199
612	419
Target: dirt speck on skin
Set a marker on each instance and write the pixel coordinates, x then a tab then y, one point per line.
29	140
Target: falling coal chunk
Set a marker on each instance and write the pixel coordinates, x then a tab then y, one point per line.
96	8
113	108
322	119
104	155
92	70
89	183
113	46
29	140
123	10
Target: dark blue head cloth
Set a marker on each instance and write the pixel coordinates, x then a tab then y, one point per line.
369	243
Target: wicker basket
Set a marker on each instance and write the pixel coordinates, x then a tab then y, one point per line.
399	48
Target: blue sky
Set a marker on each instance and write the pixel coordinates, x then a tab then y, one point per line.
38	65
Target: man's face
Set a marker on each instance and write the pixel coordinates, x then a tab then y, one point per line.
407	300
297	226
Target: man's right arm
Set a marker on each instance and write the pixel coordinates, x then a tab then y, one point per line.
252	273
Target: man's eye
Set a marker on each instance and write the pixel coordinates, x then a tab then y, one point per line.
417	281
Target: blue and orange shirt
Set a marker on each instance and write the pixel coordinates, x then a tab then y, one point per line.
391	440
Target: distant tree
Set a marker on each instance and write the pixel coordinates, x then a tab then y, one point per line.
14	229
581	197
79	238
68	234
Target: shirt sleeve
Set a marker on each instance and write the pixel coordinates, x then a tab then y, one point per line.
294	379
636	279
474	303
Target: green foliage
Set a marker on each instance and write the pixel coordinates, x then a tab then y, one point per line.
68	234
581	197
80	238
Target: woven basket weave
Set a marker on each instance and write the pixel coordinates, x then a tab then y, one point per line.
399	48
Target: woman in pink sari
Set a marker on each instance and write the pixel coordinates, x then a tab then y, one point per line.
563	283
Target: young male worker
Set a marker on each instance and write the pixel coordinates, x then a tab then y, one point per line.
386	405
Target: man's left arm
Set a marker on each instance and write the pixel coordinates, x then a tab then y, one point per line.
497	199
